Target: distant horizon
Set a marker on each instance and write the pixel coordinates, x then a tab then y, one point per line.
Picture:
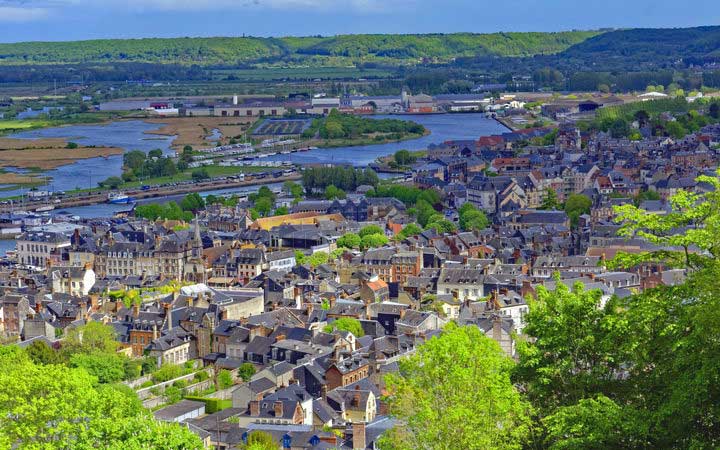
81	20
281	36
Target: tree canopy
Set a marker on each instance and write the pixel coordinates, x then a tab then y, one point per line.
455	392
53	406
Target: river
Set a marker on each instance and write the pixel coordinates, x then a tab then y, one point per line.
86	173
130	135
443	127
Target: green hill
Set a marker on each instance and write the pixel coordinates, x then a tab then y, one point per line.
648	46
291	50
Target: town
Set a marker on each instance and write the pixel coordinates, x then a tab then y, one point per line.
283	311
363	241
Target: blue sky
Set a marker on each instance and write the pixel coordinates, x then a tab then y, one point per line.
25	20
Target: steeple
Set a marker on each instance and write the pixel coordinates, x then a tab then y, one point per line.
197	242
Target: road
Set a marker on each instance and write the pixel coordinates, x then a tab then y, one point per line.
155	191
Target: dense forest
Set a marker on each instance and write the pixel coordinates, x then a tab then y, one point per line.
224	50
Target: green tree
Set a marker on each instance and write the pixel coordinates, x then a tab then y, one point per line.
373	241
576	205
370	229
455	392
349	240
263	206
106	367
442	225
156	153
642	117
675	129
619	128
134	160
91	337
200	174
564	356
293	189
259	440
403	158
331	193
714	110
318	258
246	371
346	324
41	353
281	211
471	218
224	379
593	423
550	202
53	406
111	183
425	211
408	230
192	202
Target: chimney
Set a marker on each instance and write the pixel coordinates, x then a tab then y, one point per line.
136	309
278	408
94	302
190	301
324	391
358	438
497	329
254	408
168	314
155	332
76	236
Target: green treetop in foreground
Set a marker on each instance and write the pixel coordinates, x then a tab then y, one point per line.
56	407
455	392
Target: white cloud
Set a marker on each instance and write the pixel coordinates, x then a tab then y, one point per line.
22	14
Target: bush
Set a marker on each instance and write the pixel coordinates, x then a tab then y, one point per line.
212	405
167	372
246	371
200	174
224	379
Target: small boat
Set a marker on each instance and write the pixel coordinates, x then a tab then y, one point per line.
45	208
118	198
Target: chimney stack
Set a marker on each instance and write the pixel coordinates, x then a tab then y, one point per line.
168	314
254	408
278	408
358	438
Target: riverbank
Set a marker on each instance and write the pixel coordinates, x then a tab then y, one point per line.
99	197
336	143
88	118
41	159
197	132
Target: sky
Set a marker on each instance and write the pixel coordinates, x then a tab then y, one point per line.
61	20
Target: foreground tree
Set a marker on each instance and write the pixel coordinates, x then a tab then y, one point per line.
455	392
53	406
